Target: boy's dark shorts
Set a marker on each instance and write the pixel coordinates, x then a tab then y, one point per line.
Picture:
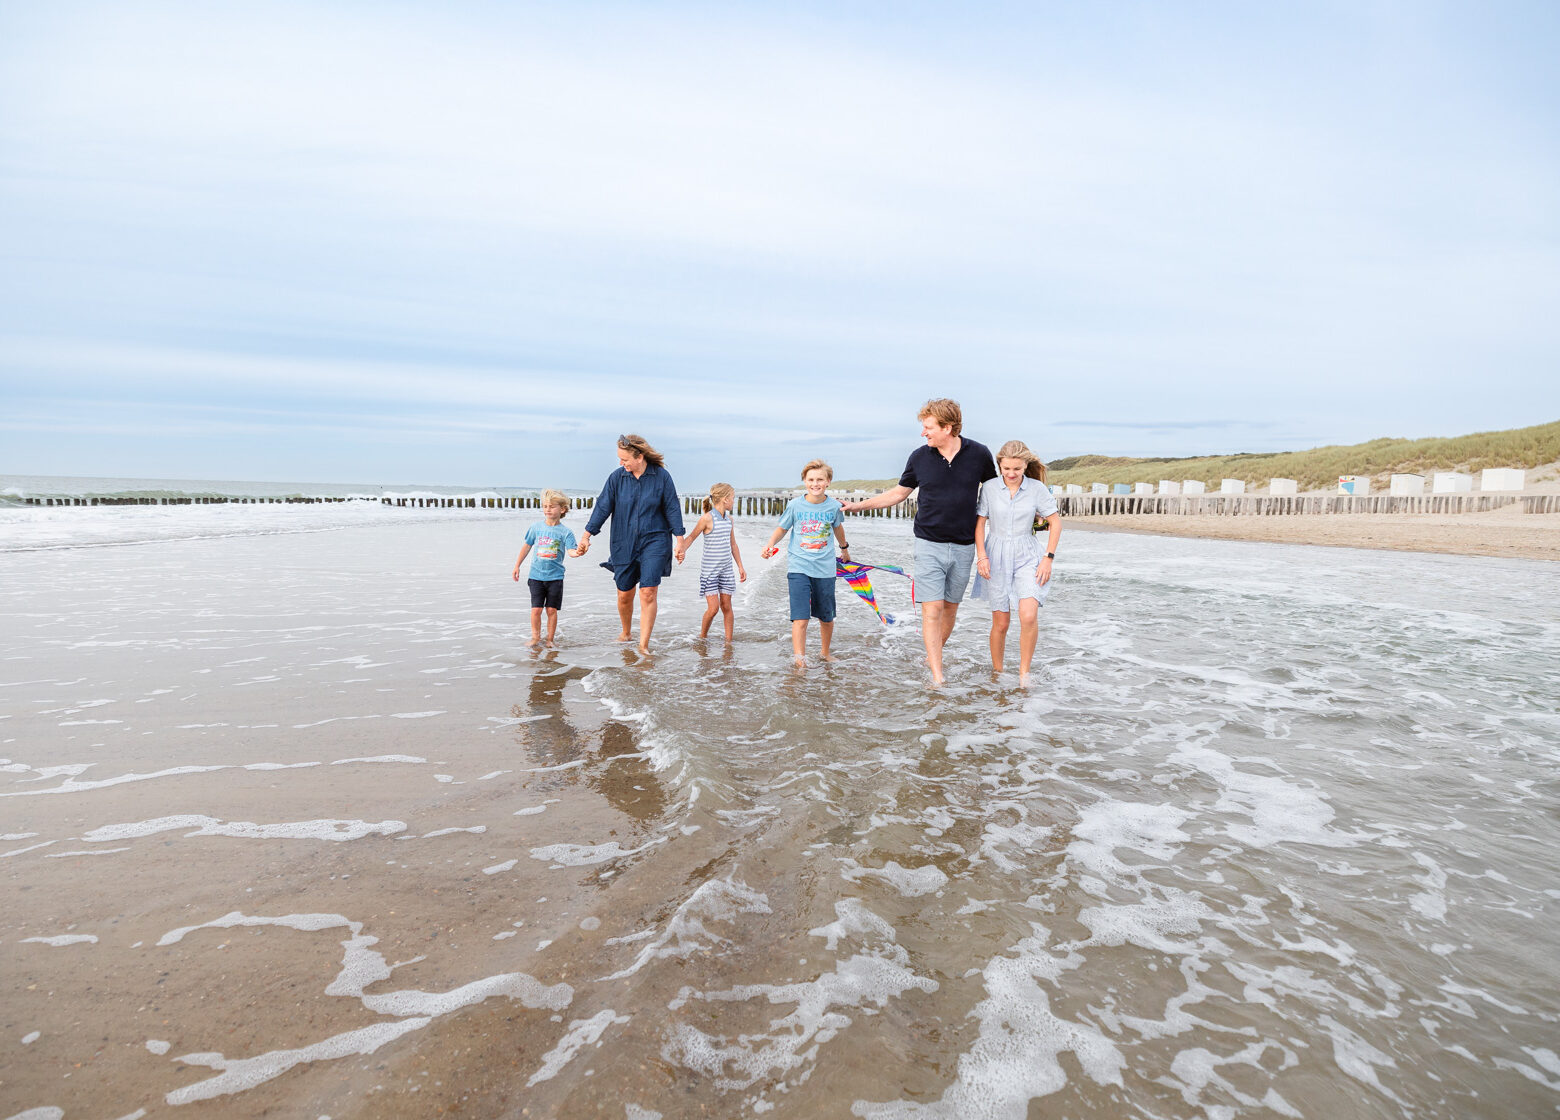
811	595
546	592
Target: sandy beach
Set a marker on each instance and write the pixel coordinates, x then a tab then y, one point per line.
1507	533
294	824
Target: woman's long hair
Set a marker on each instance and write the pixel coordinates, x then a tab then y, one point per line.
1018	449
641	449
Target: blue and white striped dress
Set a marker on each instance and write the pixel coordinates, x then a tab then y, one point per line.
717	569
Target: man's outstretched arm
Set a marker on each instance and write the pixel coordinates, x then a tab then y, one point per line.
879	501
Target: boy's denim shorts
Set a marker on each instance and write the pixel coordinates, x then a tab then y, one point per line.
942	570
811	596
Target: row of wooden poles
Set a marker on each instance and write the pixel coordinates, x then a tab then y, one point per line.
772	504
191	500
1238	505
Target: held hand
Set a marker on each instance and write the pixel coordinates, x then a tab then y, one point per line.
679	554
983	566
578	551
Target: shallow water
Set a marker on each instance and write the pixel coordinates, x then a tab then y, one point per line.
1273	833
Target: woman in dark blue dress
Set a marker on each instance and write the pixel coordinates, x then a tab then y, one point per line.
641	499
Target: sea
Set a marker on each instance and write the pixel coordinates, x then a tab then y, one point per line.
294	820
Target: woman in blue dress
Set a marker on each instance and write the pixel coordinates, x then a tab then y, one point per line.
641	499
1012	571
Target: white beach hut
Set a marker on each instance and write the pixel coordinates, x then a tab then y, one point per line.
1450	482
1168	487
1142	487
1098	488
1232	486
1283	487
1502	478
1074	488
1357	485
1193	486
1406	485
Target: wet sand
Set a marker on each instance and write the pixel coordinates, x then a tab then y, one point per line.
331	842
1505	533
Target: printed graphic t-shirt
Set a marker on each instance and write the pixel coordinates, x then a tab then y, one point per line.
811	548
548	544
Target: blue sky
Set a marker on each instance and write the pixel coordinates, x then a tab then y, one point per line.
470	243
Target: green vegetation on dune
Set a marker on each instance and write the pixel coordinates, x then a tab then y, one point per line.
1316	469
1320	467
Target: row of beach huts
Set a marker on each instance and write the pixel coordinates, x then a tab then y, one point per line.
1492	480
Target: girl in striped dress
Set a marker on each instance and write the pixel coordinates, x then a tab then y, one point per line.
721	566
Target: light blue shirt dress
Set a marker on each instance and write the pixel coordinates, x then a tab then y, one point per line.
1011	544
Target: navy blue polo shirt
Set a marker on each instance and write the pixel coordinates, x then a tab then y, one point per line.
945	509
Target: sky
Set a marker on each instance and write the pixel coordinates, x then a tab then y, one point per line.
470	243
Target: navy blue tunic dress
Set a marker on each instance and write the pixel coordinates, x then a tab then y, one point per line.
645	514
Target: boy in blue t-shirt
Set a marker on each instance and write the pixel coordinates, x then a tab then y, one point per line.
810	557
550	539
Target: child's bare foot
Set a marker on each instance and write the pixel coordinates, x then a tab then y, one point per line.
535	643
1023	680
828	657
799	662
644	648
625	636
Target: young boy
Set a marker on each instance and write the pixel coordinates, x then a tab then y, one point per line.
550	539
810	558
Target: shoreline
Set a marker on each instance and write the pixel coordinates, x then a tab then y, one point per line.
1503	533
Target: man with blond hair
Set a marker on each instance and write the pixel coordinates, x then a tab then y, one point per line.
948	472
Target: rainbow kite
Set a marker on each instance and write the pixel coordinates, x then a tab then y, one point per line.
861	583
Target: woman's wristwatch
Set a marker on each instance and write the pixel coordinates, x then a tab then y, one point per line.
1050	556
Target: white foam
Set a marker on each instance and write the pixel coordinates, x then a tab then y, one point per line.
718	900
909	882
157	1046
70	785
361	966
507	865
1014	1058
413	759
31	1037
415	715
583	855
62	939
245	1073
581	1033
477	829
43	1112
335	830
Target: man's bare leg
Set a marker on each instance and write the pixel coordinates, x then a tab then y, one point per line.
933	635
647	609
626	614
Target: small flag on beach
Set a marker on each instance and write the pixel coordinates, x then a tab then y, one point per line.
861	583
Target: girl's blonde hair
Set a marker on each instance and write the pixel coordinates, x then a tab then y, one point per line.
818	465
640	448
555	498
1018	449
718	493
